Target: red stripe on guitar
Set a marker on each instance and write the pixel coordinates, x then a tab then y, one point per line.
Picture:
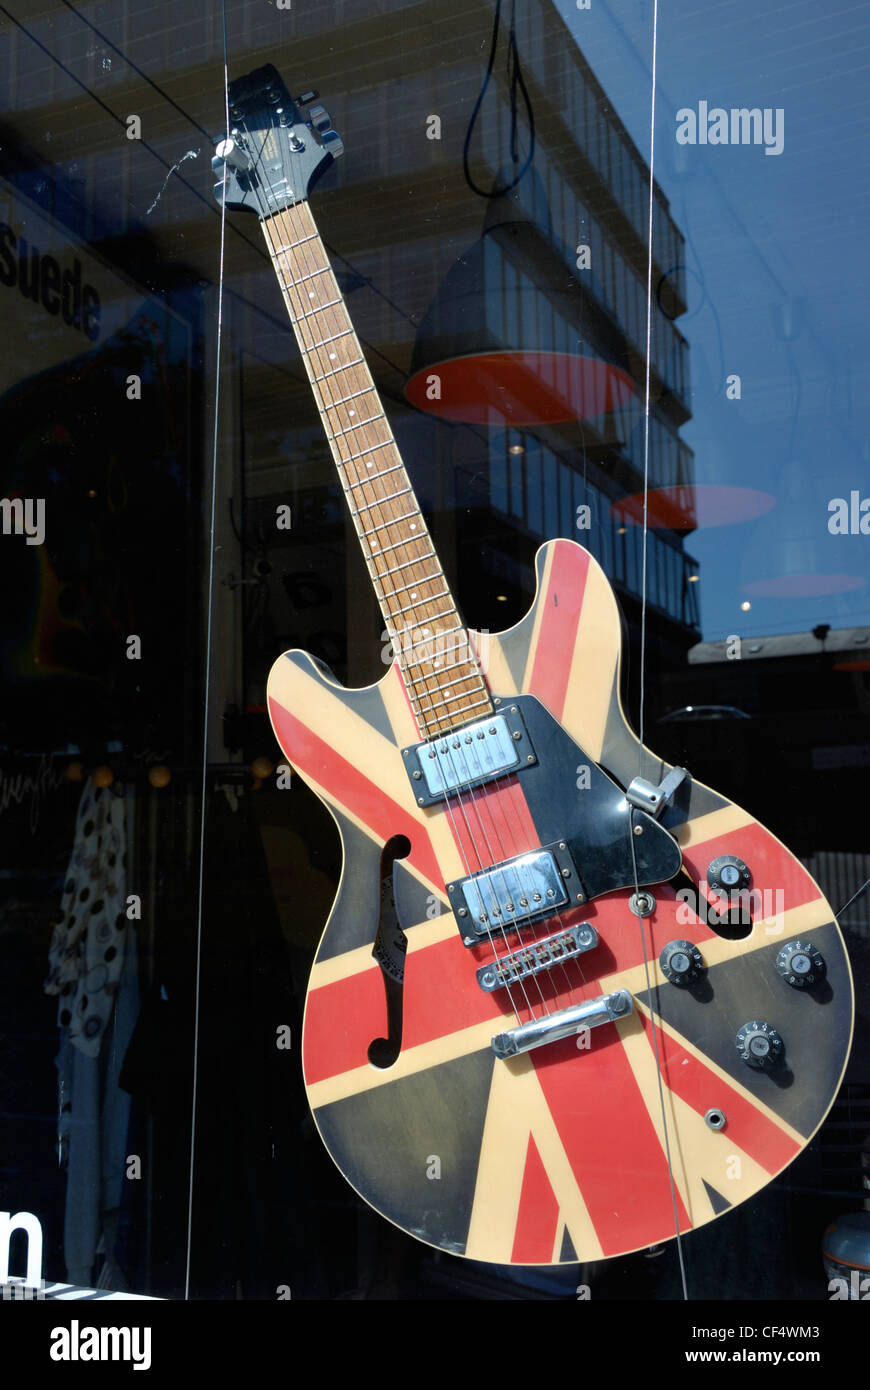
774	871
538	1215
557	634
353	791
610	1141
441	996
492	823
697	1085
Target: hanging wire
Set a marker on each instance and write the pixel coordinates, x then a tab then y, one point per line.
642	692
207	700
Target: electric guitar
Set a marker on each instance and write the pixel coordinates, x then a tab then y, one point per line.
568	999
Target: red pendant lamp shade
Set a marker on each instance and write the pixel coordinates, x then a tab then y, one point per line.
511	337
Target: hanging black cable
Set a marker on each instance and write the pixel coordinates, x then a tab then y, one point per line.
516	84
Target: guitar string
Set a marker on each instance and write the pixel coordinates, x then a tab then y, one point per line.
425	716
320	393
311	271
642	683
288	286
477	796
207	676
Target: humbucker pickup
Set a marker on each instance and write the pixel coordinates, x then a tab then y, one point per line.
469	757
515	892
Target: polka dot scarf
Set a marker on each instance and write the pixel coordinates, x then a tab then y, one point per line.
87	947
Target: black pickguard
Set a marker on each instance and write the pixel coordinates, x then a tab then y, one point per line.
597	823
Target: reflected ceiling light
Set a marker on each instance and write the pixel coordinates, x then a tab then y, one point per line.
745	606
695	506
499	344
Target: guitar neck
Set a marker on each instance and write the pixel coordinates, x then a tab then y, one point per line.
438	664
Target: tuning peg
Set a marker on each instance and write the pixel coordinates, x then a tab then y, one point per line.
306	97
229	153
320	118
330	139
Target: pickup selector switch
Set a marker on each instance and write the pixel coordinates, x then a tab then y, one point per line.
728	874
759	1044
800	964
681	962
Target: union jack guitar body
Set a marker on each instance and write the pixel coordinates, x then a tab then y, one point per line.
568	1000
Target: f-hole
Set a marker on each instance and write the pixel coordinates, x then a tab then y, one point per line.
389	952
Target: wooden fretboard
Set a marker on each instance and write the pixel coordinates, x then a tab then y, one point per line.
438	664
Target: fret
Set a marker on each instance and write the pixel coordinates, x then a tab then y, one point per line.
427	579
460	680
381	472
357	425
330	405
421	602
312	312
427	660
403	588
405	563
312	237
345	333
379	501
352	458
475	704
324	270
394	522
409	540
345	366
450	699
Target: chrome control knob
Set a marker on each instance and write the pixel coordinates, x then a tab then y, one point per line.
759	1045
800	964
681	962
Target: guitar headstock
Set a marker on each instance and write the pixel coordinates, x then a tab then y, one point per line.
275	151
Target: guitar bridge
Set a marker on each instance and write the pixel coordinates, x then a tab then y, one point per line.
537	956
607	1008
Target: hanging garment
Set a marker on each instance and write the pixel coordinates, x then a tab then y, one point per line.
87	947
93	970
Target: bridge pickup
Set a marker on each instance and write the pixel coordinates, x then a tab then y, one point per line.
607	1008
537	956
469	757
515	892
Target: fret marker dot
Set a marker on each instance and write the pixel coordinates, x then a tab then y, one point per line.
351	412
310	294
413	525
370	465
332	357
